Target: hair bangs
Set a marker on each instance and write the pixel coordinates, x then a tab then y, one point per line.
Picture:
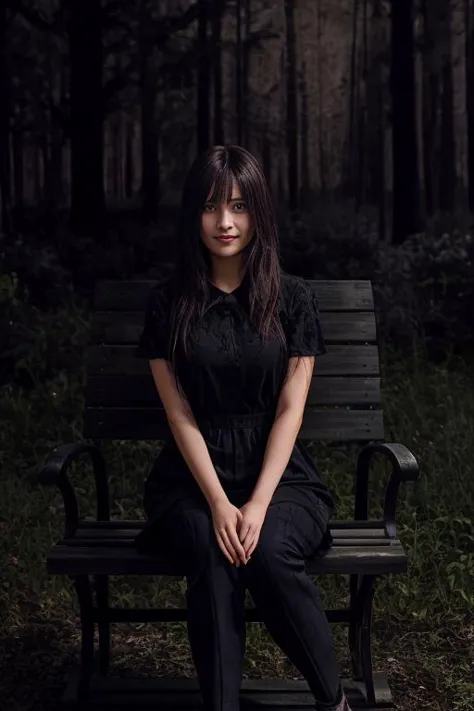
222	186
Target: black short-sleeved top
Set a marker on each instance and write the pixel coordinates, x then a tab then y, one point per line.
232	383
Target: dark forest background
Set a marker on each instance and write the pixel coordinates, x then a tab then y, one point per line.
361	112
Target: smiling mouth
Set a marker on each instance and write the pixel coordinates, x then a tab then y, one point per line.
226	238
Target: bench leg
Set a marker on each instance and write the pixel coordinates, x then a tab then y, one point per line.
101	584
84	594
362	595
354	629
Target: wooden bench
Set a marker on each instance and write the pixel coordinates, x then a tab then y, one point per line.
122	403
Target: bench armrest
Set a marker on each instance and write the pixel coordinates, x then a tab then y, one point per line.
404	468
54	472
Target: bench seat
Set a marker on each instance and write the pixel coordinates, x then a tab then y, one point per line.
106	547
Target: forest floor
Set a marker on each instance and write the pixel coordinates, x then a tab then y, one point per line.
423	633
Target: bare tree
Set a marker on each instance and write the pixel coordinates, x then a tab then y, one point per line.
469	87
437	119
203	78
217	70
87	106
321	149
406	189
5	195
304	142
291	107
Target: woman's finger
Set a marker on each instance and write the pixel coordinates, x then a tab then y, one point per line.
234	539
246	539
229	546
252	547
226	549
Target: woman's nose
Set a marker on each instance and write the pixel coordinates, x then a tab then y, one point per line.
224	220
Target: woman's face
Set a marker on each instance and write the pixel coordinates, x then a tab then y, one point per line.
231	219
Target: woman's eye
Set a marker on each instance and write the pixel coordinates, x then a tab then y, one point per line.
208	207
242	206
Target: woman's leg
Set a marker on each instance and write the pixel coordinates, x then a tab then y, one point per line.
215	598
289	602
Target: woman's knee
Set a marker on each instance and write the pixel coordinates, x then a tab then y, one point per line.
280	541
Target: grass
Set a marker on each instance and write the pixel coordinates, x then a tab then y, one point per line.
423	621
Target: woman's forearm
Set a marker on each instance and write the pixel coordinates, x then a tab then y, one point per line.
194	451
280	443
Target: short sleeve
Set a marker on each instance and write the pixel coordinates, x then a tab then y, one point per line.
154	339
304	333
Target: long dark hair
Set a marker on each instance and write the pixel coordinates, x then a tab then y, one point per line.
219	166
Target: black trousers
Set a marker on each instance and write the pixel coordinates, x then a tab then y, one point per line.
282	591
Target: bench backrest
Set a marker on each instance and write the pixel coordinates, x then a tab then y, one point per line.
343	402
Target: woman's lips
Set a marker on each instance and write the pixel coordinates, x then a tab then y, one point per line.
228	238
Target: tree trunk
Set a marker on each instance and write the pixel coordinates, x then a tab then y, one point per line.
238	72
350	160
430	108
85	37
150	187
322	152
362	138
438	122
304	144
406	189
129	160
217	71
5	192
245	72
291	107
204	72
447	175
469	54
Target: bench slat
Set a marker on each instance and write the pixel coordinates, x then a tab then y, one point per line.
332	295
140	390
123	534
336	525
339	360
150	423
123	560
121	327
115	542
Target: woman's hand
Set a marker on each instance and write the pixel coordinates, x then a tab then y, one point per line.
226	519
253	516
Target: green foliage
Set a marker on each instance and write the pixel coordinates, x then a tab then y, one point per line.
429	408
424	288
36	343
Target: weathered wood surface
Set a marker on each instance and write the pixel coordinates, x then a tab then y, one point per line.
109	549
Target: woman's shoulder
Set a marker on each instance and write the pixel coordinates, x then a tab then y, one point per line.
293	287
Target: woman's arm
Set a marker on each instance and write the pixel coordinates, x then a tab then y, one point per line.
186	432
287	424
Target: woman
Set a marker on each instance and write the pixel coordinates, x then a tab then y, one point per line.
234	494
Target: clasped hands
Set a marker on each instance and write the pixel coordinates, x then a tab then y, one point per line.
238	530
